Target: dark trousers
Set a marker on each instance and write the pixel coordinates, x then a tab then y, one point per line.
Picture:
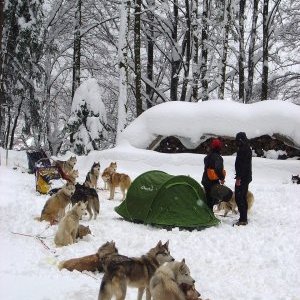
209	200
241	200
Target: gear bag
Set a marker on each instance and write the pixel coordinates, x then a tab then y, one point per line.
212	175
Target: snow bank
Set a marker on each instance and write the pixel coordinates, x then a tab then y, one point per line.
218	117
259	261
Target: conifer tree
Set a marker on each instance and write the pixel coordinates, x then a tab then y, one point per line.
88	119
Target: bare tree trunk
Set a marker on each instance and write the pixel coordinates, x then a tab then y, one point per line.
175	63
242	51
12	135
268	29
77	49
265	70
123	66
188	52
203	69
137	56
227	24
1	23
54	148
1	74
35	116
8	128
251	52
9	32
196	74
150	51
76	55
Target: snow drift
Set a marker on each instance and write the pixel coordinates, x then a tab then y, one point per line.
191	122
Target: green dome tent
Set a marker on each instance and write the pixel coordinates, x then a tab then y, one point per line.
158	198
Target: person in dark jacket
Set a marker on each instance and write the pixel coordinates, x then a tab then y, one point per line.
214	189
243	175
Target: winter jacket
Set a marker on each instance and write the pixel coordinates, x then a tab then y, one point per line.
212	161
243	163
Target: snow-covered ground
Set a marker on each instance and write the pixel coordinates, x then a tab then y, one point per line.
258	261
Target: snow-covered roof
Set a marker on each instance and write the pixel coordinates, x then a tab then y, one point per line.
215	117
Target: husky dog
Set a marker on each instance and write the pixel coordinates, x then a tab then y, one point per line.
296	179
92	176
68	225
165	283
83	193
118	180
89	195
54	208
92	262
72	176
66	166
190	292
231	204
135	272
112	168
82	231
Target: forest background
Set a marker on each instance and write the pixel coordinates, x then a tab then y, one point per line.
74	74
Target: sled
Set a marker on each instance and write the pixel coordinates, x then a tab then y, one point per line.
40	165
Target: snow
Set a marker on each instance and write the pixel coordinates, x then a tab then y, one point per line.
89	92
258	261
88	114
219	117
274	154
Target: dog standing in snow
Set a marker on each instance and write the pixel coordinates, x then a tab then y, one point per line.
232	206
112	168
117	180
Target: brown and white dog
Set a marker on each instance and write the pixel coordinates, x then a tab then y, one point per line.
68	226
112	168
232	206
66	166
123	271
72	176
117	180
167	280
190	292
82	231
54	208
91	262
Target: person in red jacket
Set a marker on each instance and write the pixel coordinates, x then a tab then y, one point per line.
214	176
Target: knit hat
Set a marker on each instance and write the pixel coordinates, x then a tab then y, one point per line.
216	144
